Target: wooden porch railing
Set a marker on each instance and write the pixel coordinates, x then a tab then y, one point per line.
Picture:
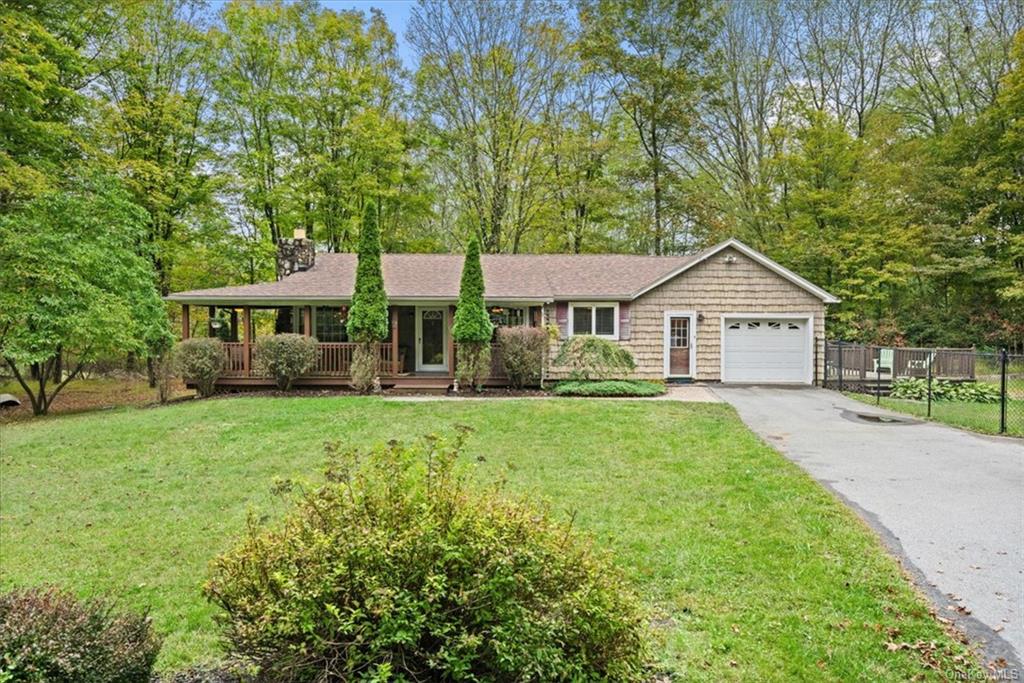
333	359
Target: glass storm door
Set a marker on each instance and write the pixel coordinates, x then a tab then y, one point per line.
431	339
678	346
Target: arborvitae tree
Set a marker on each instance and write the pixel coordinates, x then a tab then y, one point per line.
472	327
367	321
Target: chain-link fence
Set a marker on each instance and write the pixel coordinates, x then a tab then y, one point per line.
982	391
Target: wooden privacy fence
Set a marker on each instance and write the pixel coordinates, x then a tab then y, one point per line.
853	362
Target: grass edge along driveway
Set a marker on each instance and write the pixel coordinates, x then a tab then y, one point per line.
981	418
753	570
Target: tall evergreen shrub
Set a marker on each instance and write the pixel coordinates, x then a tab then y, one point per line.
367	321
472	328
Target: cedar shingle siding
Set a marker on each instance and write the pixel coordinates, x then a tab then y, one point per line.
710	289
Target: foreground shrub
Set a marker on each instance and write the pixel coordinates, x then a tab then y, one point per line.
522	354
589	357
48	635
200	361
284	357
610	387
396	570
916	389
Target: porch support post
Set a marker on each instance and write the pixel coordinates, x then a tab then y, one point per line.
211	314
451	342
246	339
394	341
234	325
307	321
186	325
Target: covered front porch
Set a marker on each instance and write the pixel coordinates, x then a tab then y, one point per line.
418	353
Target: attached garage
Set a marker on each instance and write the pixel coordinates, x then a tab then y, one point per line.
768	349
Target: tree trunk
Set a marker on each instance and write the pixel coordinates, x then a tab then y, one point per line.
657	209
58	367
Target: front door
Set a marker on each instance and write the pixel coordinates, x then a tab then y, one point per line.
431	339
677	345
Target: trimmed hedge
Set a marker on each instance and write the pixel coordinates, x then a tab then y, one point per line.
522	354
610	387
284	357
200	361
48	635
398	568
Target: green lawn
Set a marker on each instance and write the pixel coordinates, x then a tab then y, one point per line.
977	417
755	571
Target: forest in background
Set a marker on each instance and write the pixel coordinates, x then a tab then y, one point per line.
874	147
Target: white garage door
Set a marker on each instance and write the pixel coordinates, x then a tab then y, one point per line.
766	350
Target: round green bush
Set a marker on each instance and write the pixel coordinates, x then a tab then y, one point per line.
200	361
47	635
284	357
398	569
588	357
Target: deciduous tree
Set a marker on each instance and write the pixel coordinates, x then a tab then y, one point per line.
76	284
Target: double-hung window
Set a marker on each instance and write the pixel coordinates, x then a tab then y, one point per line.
598	319
330	325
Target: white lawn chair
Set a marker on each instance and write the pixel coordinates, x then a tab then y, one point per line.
884	361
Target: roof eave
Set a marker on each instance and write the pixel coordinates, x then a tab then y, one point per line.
753	254
277	300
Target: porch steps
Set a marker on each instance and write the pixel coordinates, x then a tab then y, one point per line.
418	385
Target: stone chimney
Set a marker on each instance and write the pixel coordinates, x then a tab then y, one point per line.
295	254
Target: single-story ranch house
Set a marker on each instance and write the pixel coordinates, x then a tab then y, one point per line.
728	313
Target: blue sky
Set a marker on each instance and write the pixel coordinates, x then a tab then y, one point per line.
397	13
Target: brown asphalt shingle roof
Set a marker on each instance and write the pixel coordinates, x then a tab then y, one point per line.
436	276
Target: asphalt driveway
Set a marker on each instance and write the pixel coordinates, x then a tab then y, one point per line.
948	503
